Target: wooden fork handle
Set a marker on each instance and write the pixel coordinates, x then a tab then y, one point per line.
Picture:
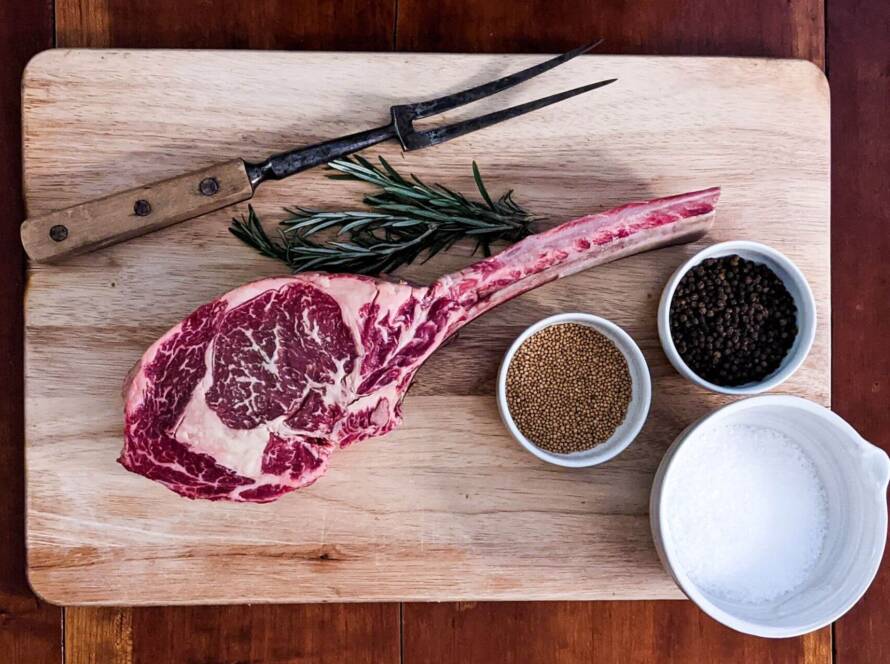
128	214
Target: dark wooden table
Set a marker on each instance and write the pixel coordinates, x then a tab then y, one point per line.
849	39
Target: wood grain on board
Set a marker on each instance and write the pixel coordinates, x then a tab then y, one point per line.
93	635
450	507
626	632
30	629
771	27
859	59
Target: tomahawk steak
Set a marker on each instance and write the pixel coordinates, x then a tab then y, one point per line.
248	397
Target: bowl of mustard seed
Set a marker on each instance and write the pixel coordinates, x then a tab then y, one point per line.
574	390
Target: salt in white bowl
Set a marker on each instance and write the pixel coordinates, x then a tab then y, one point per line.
854	474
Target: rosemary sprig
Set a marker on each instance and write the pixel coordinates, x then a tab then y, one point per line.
406	219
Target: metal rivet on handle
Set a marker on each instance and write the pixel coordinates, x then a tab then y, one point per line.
142	208
209	186
58	232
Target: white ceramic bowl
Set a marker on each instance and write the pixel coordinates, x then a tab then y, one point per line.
797	286
637	410
855	475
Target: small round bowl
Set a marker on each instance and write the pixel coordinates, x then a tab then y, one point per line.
855	475
637	410
797	286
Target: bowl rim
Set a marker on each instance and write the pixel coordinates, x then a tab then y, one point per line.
807	335
664	543
604	451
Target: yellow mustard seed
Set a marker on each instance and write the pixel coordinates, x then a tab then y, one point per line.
568	388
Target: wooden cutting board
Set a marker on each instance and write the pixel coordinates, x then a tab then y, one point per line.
447	507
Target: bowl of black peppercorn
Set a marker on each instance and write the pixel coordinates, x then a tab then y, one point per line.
737	318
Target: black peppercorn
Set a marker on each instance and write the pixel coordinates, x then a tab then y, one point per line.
732	320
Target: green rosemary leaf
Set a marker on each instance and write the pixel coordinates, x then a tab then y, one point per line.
477	176
364	162
407	192
251	231
407	219
314	226
393	173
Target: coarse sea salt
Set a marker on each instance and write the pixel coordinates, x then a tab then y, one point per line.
748	513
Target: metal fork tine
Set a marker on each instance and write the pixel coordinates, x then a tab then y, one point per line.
432	107
424	139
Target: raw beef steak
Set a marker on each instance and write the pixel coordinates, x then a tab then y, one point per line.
248	397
